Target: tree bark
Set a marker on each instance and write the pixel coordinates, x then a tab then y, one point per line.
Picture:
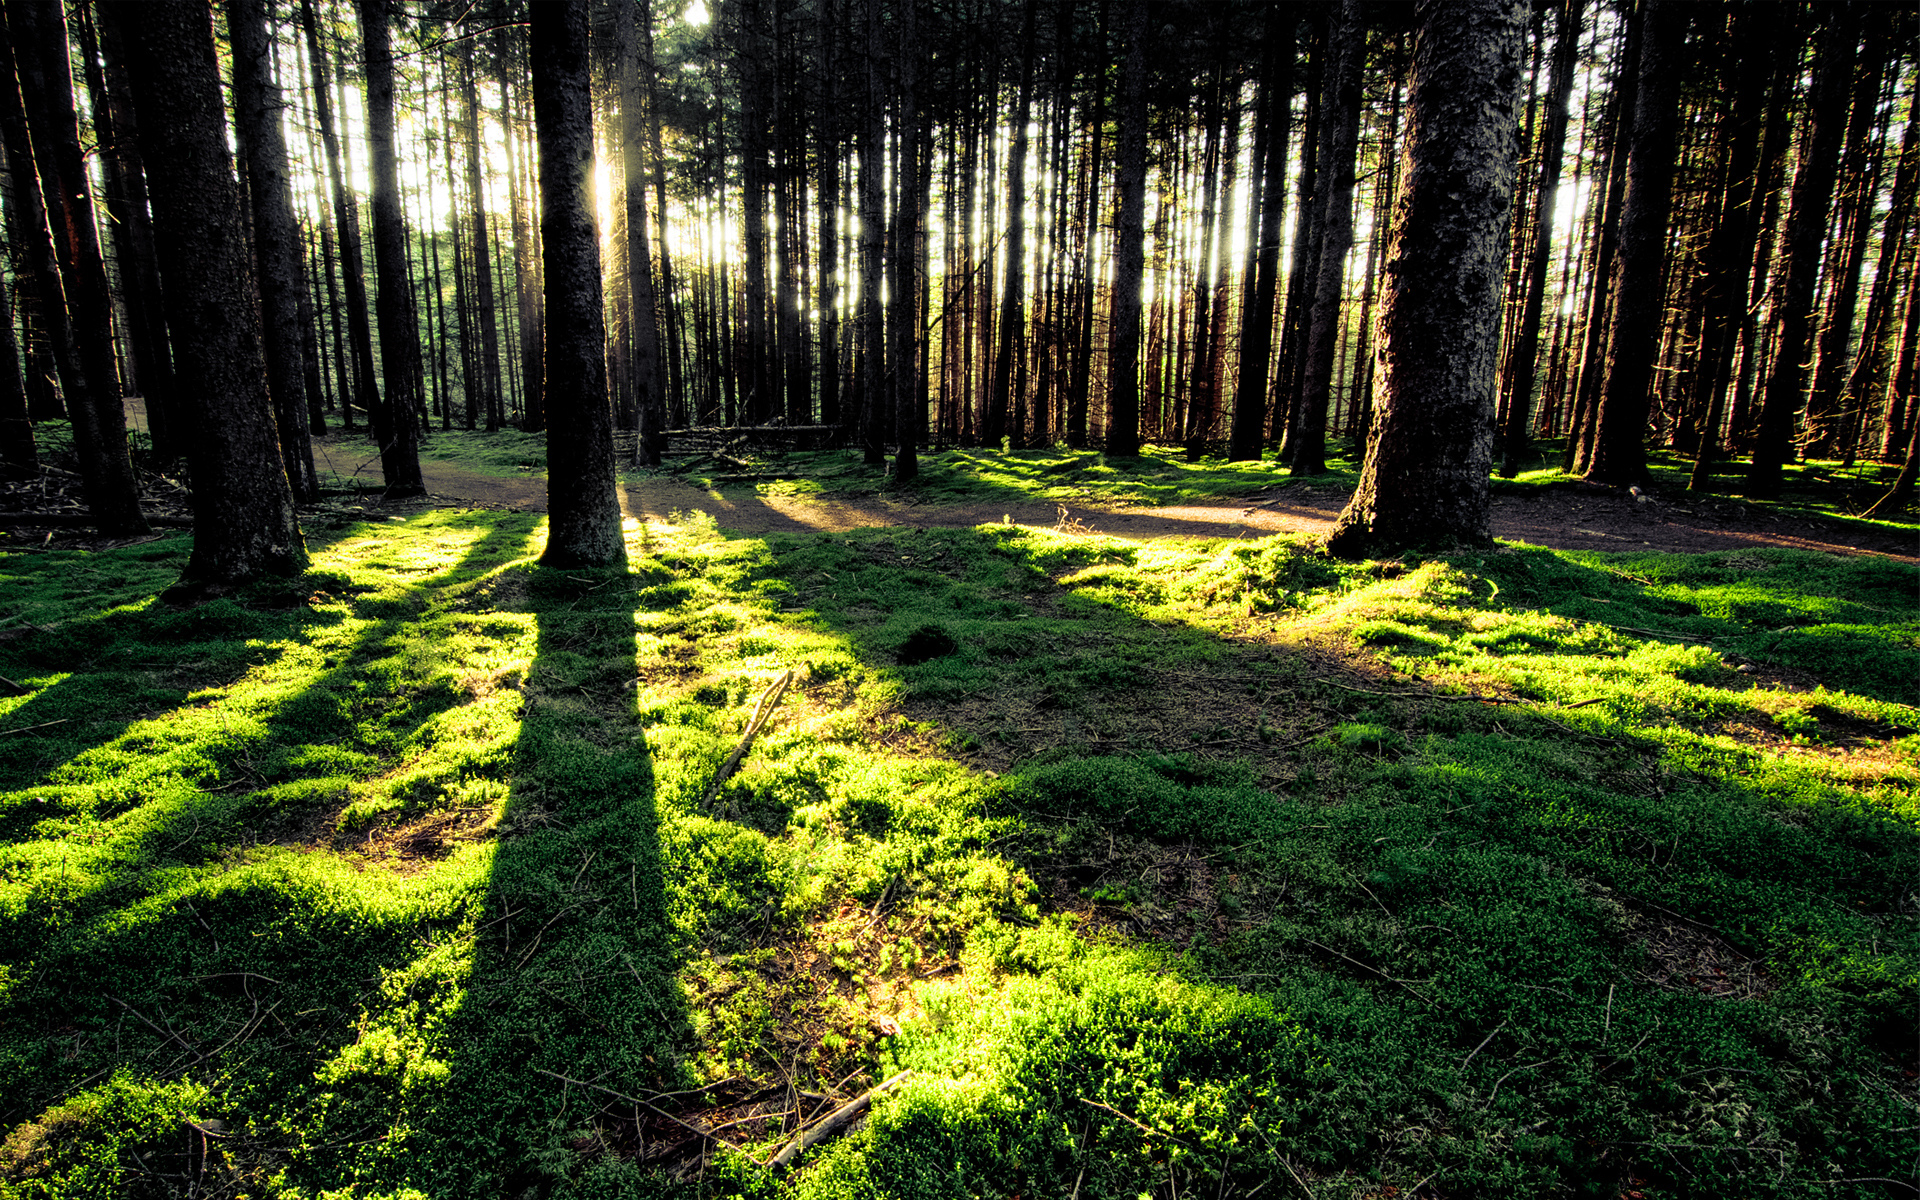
1275	115
347	221
19	458
1806	228
243	515
1424	482
871	378
1129	249
38	38
276	239
1523	362
1638	291
395	421
649	399
480	257
1002	402
116	132
583	503
908	414
1333	198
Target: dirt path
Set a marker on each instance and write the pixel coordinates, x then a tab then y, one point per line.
1561	518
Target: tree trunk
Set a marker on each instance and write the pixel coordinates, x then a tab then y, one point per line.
1521	365
1333	199
243	515
1806	228
827	155
1000	419
276	239
1730	245
1129	247
1637	291
1895	261
37	36
395	425
583	502
908	414
1275	114
480	257
871	377
1425	478
117	132
19	458
649	400
347	221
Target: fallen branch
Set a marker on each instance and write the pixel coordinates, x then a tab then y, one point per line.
769	700
833	1123
1374	971
28	728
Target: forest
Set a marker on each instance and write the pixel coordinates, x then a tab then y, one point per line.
911	598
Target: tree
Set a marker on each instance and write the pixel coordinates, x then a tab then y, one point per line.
347	221
395	415
649	401
583	505
1274	126
243	515
1806	229
276	238
1637	292
1526	343
1129	247
1424	482
1333	223
37	38
908	413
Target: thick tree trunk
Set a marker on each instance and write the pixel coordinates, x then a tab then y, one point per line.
1729	249
1637	291
1333	199
908	413
480	257
873	355
37	36
1425	478
1521	364
1806	228
276	239
395	421
649	400
116	132
19	458
1275	115
347	221
1129	247
243	515
1004	405
583	502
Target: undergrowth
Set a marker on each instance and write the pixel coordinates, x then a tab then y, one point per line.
1168	868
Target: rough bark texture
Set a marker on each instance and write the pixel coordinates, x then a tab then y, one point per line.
125	194
908	414
583	505
243	517
1806	229
395	417
649	401
276	238
481	254
1526	342
1275	117
347	220
1638	289
38	37
19	458
1333	197
1129	248
1425	478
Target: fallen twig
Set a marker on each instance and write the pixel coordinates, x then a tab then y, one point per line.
769	700
833	1122
30	728
1149	1130
1374	971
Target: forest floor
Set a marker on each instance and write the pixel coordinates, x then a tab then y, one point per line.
1162	865
1566	517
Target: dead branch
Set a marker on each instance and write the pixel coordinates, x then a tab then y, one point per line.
832	1123
769	700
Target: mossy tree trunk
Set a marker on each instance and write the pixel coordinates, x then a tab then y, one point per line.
1425	479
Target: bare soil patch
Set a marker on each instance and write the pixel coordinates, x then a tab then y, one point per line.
1576	517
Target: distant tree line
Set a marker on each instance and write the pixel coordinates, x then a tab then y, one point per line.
1097	222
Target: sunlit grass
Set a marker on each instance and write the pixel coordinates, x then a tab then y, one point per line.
1188	863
